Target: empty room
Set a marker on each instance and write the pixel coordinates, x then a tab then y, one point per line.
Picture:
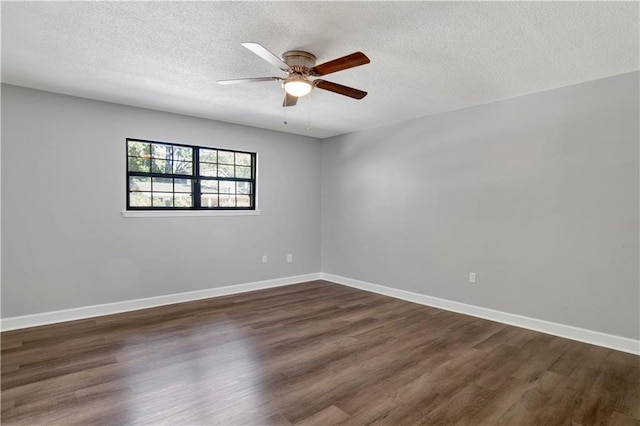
320	213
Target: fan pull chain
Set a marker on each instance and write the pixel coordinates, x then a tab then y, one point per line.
284	122
309	111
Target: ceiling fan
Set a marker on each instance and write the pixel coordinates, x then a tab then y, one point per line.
299	66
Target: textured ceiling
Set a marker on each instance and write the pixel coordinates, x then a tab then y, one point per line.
426	57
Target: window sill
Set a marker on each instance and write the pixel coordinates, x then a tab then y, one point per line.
189	213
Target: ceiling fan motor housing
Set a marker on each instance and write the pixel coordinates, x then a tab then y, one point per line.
299	61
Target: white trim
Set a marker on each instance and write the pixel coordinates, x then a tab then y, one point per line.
619	343
25	321
188	213
575	333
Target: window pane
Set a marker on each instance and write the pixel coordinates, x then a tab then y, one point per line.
140	199
183	200
243	172
225	171
139	183
182	185
162	185
227	200
225	157
243	187
183	167
139	149
243	201
207	169
209	200
182	154
137	164
243	159
209	185
161	199
208	156
161	166
162	175
227	187
161	151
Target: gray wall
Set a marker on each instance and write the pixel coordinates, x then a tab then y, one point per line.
65	243
538	195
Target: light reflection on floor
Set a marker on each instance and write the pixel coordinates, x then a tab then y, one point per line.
182	379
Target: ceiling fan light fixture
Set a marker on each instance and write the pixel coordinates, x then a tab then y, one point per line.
299	66
297	86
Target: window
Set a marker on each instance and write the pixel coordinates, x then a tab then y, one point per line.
168	176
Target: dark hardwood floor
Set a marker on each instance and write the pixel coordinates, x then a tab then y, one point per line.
313	354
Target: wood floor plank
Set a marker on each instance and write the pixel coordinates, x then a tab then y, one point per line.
329	416
312	353
619	419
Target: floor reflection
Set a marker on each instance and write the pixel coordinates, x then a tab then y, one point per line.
205	374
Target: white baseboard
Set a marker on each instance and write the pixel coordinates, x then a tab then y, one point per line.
44	318
574	333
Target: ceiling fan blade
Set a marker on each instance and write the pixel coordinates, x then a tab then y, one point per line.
354	60
261	51
340	89
247	80
289	100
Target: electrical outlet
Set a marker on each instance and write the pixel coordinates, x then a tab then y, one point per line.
472	277
289	258
265	259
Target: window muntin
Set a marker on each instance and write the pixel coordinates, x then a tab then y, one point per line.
168	176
